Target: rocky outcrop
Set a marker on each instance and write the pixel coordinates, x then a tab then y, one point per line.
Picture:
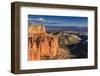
68	39
43	46
36	29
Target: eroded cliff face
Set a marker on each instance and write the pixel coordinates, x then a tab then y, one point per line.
36	29
42	46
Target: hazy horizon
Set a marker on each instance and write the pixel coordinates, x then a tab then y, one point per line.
48	20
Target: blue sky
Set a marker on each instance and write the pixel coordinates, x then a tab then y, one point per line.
48	20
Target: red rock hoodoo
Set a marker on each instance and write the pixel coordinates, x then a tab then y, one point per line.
40	44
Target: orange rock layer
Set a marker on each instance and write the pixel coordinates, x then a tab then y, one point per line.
41	44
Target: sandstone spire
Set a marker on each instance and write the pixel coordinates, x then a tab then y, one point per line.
42	45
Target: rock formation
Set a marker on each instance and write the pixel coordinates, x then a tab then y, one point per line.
36	29
43	46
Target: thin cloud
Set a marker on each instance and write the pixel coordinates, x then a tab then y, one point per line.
42	20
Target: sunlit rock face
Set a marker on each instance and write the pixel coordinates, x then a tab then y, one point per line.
36	29
42	46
